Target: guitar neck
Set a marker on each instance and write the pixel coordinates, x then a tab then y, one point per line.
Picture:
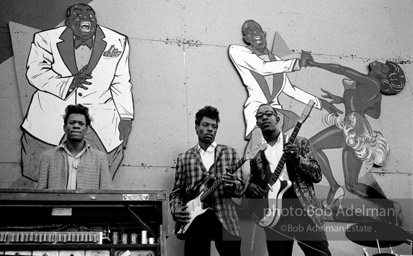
281	163
218	181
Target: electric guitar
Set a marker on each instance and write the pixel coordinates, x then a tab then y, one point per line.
267	211
196	206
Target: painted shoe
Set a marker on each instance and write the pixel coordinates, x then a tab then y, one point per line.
338	197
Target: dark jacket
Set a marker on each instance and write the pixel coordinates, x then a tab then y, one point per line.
302	176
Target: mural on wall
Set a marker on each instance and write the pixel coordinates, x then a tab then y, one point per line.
79	63
359	142
264	76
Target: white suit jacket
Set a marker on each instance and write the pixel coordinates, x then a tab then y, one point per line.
51	67
246	62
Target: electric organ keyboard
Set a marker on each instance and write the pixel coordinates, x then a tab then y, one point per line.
83	222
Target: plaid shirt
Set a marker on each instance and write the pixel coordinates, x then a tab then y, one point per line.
190	172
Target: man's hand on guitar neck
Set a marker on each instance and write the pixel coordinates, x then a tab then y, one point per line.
291	153
181	214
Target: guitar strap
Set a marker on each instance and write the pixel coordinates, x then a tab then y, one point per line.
291	174
212	169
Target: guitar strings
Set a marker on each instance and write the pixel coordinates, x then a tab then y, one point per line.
261	203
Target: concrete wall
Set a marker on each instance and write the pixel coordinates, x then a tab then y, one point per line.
179	63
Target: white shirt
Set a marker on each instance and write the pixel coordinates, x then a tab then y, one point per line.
274	153
82	55
208	156
73	165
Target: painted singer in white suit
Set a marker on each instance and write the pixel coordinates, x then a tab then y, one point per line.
80	63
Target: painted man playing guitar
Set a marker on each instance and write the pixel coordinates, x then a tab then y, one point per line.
220	222
296	193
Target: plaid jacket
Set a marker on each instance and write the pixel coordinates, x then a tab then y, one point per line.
190	172
302	177
93	170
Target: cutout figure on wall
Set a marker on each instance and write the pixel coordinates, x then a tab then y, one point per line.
361	98
80	63
264	76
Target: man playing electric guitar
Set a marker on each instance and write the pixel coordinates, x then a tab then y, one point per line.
298	218
220	222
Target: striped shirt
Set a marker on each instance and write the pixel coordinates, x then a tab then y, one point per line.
92	171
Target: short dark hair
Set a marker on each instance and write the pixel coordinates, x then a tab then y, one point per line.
77	109
207	111
269	105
